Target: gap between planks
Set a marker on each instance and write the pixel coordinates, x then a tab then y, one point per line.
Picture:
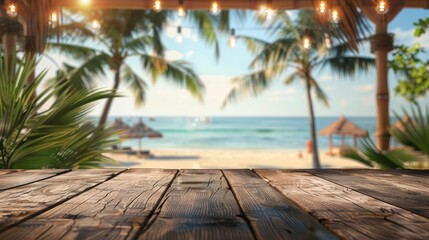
413	197
348	213
269	213
59	202
25	177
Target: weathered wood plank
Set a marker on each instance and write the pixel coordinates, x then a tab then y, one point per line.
15	178
349	214
115	209
7	171
411	178
20	203
402	190
271	215
198	205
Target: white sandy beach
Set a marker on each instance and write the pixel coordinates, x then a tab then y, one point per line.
230	158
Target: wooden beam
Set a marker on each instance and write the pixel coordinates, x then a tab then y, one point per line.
206	4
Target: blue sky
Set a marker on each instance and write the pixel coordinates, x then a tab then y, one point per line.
351	97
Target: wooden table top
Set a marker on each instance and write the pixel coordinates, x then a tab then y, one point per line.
214	204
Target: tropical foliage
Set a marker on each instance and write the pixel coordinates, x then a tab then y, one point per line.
123	34
411	65
290	60
49	129
412	132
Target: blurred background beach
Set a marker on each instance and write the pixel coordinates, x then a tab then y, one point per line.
234	142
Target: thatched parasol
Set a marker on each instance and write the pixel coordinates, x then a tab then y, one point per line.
120	125
139	131
343	127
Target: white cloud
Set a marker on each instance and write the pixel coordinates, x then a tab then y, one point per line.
343	103
325	78
403	35
364	88
407	37
173	55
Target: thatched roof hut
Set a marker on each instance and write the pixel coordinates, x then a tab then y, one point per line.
343	127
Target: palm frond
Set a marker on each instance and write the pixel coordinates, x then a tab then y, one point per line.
36	134
348	66
90	70
206	29
176	72
414	132
277	52
135	83
250	85
77	52
291	78
320	94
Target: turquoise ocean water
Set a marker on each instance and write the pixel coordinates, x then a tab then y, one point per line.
238	132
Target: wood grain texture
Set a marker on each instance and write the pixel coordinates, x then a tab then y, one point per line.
272	216
349	214
198	205
115	209
15	178
23	202
402	190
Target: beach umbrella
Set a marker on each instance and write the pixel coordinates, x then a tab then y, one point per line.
120	125
139	131
343	127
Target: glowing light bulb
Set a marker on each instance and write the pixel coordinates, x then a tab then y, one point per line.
335	17
11	10
215	10
306	43
322	7
85	2
95	24
157	6
382	7
179	37
54	17
181	12
232	39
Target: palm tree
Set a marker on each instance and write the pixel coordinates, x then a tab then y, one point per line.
292	50
123	34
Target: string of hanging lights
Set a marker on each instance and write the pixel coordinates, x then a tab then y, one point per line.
323	8
381	8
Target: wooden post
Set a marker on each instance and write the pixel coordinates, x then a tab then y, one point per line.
9	43
10	30
330	144
381	45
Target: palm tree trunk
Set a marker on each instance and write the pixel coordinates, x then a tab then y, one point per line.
316	162
109	101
